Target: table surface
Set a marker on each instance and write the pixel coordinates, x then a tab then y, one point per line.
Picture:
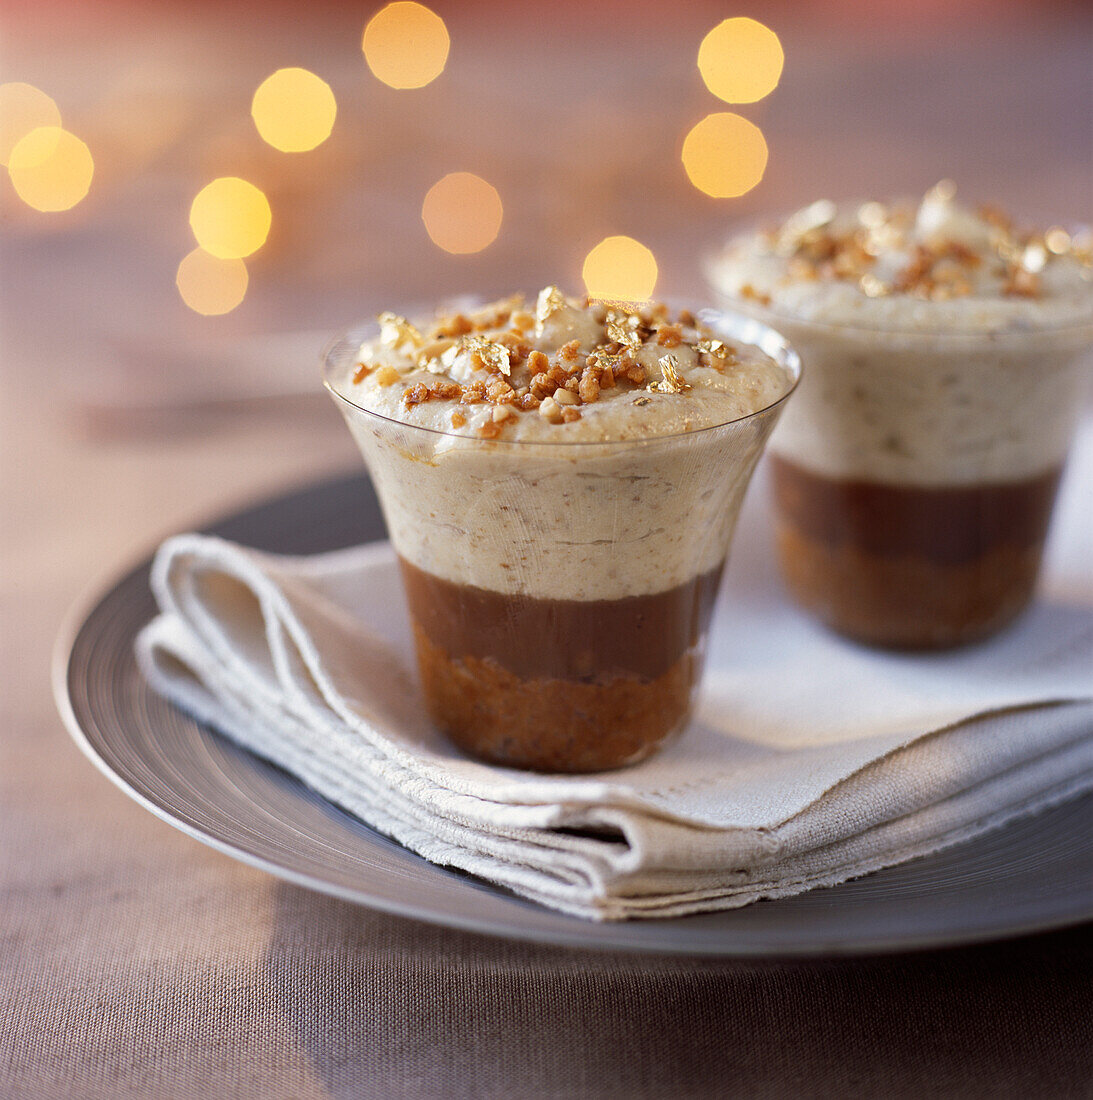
138	963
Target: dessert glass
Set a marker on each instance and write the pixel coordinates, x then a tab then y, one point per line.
915	472
560	592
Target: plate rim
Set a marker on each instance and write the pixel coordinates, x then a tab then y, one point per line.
95	595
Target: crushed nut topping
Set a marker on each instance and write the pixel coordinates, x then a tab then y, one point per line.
936	252
496	358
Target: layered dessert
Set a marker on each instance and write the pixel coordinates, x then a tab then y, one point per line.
915	471
560	479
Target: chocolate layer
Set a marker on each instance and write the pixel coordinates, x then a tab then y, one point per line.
946	524
911	567
642	636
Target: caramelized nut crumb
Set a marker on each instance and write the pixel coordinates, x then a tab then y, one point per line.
558	375
458	420
456	325
570	414
669	336
541	386
499	391
589	388
538	362
415	395
446	391
387	376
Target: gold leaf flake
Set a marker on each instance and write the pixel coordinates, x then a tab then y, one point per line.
622	332
493	356
672	382
717	348
550	301
604	358
396	332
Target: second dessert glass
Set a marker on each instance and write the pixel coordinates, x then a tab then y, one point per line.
560	592
915	475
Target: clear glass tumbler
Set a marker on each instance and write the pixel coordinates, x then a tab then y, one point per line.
560	592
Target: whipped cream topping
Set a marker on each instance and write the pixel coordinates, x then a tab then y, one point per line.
560	369
938	266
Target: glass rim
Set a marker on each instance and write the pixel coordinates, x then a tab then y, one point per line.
739	325
773	317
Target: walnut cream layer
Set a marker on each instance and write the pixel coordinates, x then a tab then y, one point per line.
916	469
561	481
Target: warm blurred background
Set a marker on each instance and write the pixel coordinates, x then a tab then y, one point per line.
161	318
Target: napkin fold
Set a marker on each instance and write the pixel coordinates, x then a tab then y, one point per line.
810	760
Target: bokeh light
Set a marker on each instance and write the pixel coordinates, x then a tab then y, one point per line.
620	269
51	169
725	155
741	60
23	108
230	218
294	110
462	213
210	285
406	45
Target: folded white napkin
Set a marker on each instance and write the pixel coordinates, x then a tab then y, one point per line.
811	760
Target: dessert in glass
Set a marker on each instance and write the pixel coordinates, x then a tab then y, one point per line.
945	362
560	479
